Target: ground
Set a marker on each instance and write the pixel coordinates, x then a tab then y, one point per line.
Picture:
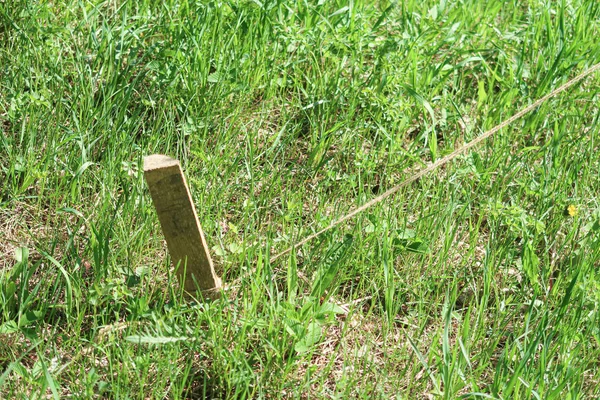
479	280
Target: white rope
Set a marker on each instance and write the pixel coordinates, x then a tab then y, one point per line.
441	161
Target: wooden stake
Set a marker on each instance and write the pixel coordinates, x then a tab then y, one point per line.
180	225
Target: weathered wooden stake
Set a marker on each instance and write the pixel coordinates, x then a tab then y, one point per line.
180	225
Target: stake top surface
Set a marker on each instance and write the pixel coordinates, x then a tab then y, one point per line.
156	161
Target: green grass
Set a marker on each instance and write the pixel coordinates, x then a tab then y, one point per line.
471	282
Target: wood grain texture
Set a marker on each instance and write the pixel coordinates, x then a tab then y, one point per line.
180	225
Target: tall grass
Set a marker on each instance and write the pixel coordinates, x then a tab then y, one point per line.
478	281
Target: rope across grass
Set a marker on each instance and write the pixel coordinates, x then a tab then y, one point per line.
442	160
